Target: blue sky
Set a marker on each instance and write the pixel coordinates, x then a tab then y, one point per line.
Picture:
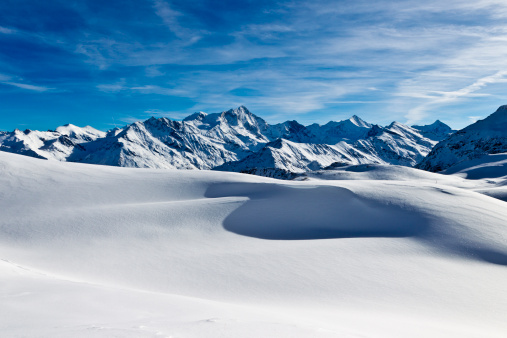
106	63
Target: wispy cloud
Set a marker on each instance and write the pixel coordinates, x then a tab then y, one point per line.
122	86
176	115
404	60
437	98
154	89
112	87
172	18
27	86
5	30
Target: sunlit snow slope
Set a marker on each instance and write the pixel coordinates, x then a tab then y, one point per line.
104	251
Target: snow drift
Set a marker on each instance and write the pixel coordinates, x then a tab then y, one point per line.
101	251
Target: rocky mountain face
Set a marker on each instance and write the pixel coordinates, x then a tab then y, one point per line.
234	140
488	136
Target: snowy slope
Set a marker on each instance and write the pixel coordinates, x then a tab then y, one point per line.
102	251
282	156
54	145
156	143
484	137
85	134
395	144
491	168
334	132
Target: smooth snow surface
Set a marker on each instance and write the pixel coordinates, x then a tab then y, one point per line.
96	251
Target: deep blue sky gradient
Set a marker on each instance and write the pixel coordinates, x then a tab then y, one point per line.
106	63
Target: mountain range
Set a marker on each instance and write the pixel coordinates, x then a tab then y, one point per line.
234	140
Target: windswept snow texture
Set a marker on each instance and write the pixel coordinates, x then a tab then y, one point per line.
97	251
235	138
488	136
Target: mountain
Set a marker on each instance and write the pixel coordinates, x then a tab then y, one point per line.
488	136
437	131
334	132
85	134
282	158
234	140
395	144
55	145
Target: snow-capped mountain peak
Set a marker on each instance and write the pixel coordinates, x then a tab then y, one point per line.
334	132
199	116
359	122
436	131
484	137
80	134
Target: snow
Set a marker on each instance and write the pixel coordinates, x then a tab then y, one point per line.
295	157
84	134
473	142
206	141
334	132
97	251
487	166
437	131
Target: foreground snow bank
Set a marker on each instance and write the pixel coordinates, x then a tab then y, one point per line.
100	251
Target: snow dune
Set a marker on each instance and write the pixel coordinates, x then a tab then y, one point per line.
103	251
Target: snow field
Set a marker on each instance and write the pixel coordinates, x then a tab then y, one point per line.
102	251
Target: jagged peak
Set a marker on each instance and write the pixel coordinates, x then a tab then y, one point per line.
354	120
359	121
294	125
433	125
241	110
199	116
161	120
242	116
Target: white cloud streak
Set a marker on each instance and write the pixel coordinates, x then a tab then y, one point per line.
441	98
171	19
5	30
423	56
27	86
